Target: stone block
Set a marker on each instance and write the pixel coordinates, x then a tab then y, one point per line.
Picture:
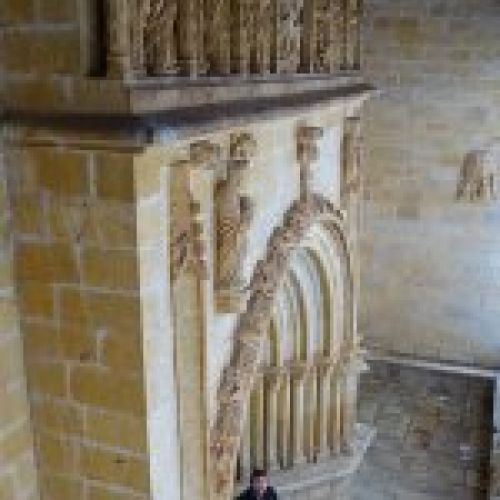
46	263
48	379
61	418
57	454
114	173
110	269
40	52
104	389
36	300
58	10
61	487
115	468
62	172
16	11
116	430
122	351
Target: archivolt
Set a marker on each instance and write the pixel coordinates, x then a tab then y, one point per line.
238	378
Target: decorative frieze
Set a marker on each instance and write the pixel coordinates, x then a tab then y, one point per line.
219	37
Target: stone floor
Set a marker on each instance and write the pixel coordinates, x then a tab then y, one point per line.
433	435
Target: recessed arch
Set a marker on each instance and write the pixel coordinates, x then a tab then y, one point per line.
300	220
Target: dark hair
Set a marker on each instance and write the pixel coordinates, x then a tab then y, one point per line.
259	473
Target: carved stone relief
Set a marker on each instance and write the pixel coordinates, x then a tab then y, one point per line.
479	173
307	154
351	161
187	231
160	37
219	37
234	216
288	35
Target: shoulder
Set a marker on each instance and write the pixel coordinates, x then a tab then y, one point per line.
244	495
271	493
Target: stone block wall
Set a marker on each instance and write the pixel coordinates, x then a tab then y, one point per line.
431	275
77	275
17	468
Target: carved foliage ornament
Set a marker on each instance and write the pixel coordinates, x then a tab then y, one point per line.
239	376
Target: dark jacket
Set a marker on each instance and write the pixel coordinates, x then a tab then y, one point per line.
249	494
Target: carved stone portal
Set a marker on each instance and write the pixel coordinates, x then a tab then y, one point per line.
239	376
234	216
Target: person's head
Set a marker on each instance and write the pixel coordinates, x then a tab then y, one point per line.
259	481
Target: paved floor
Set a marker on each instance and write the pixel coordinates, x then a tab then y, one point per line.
433	435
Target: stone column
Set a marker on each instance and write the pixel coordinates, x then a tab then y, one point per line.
245	452
284	428
272	380
119	56
298	376
324	391
257	433
335	411
311	413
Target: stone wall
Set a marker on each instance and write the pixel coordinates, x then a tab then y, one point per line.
76	268
431	272
17	469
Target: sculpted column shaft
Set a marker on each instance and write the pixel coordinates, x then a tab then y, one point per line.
284	428
335	412
245	453
272	387
298	381
192	37
257	426
324	391
309	35
119	63
311	407
219	39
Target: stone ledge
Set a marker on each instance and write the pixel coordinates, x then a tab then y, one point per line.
336	469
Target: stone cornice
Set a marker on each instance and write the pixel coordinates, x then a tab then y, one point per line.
174	119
